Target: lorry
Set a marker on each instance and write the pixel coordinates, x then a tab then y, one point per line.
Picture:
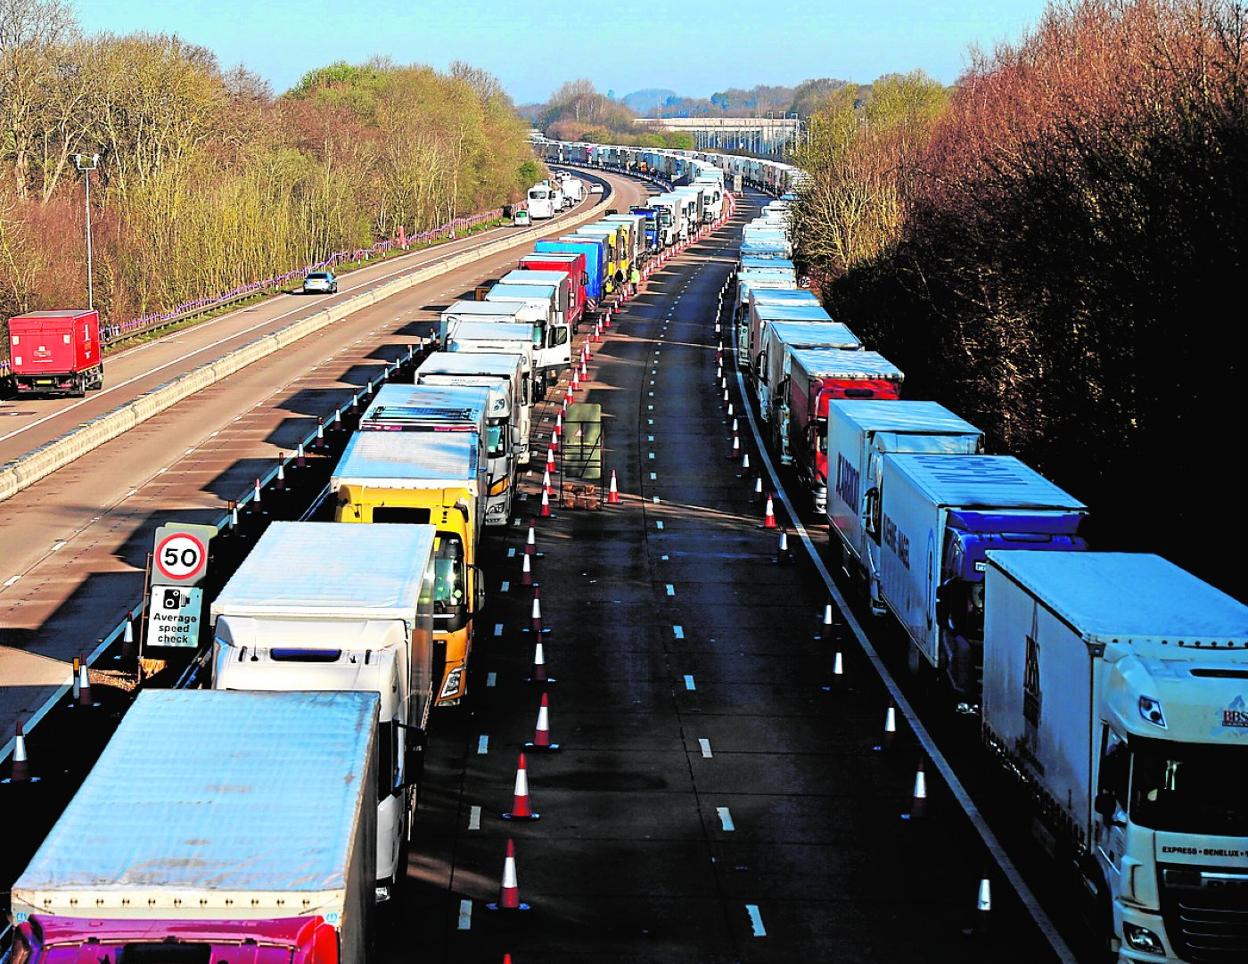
763	315
782	295
550	349
783	277
667	218
784	336
591	252
426	478
299	615
860	433
933	517
480	409
501	371
572	264
616	236
558	279
816	376
1115	691
55	353
637	225
500	312
650	229
212	826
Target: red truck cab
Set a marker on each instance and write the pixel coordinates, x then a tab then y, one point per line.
816	376
53	939
56	352
574	266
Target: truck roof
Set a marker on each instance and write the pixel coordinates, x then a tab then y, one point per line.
314	568
1127	596
57	314
750	261
205	791
390	460
831	334
776	296
842	363
992	481
901	415
481	308
452	404
521	292
788	311
530	276
502	364
519	331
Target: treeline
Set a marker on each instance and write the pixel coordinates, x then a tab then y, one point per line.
1056	253
578	112
757	101
206	180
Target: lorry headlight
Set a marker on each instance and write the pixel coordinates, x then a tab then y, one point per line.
501	486
451	686
1150	709
1142	939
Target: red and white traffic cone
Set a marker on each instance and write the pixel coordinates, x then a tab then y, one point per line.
546	477
521	805
736	448
550	461
526	570
301	460
734	421
84	686
783	555
545	513
758	489
541	736
509	893
576	379
558	426
825	626
538	673
725	400
256	492
568	396
530	542
535	614
319	444
613	493
769	514
745	462
890	728
607	320
19	772
983	906
918	798
584	370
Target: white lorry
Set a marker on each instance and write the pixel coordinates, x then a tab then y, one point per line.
545	303
801	326
1116	691
766	291
214	824
933	517
498	370
860	433
667	220
326	606
514	313
481	409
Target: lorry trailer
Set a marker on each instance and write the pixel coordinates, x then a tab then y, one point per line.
56	353
152	861
493	369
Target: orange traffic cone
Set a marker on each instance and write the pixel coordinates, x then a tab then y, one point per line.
545	513
509	893
538	673
541	736
521	806
550	461
535	615
613	493
576	379
769	514
526	570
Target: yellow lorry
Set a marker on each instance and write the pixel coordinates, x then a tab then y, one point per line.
427	478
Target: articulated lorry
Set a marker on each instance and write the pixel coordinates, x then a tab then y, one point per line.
494	312
568	263
1115	689
765	290
769	355
800	405
231	828
56	353
933	517
550	346
502	371
481	409
590	254
860	433
323	606
426	478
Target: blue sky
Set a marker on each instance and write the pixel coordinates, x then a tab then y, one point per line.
694	49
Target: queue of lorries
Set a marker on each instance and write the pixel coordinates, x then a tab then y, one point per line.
274	837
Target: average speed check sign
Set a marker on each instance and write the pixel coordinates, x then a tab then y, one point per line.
181	555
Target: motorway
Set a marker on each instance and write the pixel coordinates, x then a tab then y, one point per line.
720	795
73	546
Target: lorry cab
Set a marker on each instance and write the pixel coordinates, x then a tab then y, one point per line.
667	218
539	305
590	253
650	229
496	311
495	369
554	353
570	263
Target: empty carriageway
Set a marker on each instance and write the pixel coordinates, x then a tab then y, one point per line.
719	794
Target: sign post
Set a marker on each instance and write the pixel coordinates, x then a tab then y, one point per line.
175	602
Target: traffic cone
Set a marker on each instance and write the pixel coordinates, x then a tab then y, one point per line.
607	320
127	640
538	673
256	494
546	477
541	736
745	462
319	444
526	570
545	513
576	379
550	460
535	614
890	729
918	798
769	514
734	427
280	485
613	493
825	627
558	426
509	893
19	772
725	396
736	448
584	370
983	905
301	460
84	686
530	542
783	555
521	806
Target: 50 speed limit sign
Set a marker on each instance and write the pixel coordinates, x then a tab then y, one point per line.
181	554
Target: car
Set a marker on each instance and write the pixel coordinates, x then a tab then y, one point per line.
322	282
595	188
521	218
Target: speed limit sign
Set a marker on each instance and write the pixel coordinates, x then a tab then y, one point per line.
181	555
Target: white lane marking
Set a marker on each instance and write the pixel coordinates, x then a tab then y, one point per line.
511	553
656	499
498	629
678	632
689	683
705	744
954	785
654	476
505	586
491	679
57	547
465	915
725	819
649	438
474	818
649	421
483	744
756	920
650	455
671	590
10	581
659	524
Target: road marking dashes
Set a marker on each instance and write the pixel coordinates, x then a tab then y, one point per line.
678	632
465	915
725	819
689	683
483	744
474	818
756	920
705	744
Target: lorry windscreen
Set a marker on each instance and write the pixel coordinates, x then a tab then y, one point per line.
1183	788
495	435
448	575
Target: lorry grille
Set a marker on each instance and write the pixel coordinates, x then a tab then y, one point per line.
1206	913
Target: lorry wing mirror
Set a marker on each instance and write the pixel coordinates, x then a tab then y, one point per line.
1106	806
415	740
478	591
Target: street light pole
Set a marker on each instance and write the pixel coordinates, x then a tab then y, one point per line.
86	165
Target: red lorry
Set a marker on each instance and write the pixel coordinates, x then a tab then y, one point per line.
574	266
56	352
817	375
